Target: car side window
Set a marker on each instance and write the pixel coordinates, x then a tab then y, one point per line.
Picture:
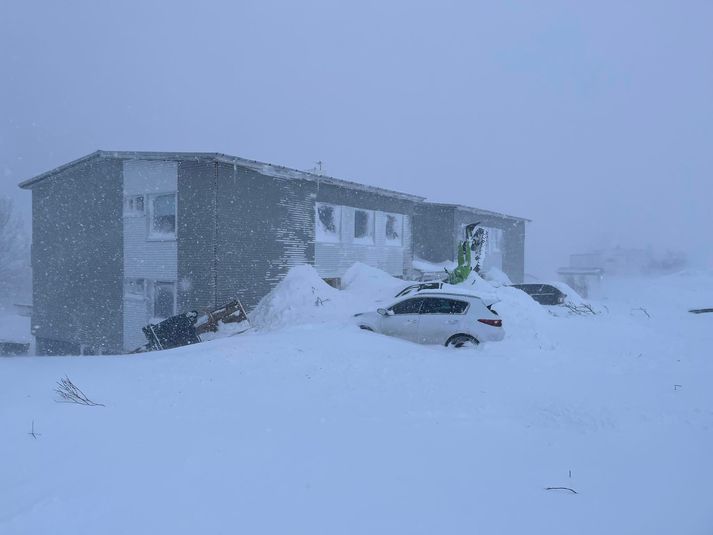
410	306
441	305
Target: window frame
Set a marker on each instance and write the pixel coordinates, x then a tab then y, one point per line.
135	296
400	221
370	240
155	236
337	213
133	212
152	300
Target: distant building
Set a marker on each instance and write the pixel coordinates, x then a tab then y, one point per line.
586	270
121	239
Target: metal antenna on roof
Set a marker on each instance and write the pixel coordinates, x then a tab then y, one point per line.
319	168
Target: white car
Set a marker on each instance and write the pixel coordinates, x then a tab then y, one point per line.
436	316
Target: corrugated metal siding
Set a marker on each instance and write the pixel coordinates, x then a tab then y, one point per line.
148	259
333	259
197	191
439	229
514	252
513	247
135	317
433	233
149	176
408	249
77	257
265	226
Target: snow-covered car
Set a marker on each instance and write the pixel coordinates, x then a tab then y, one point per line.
433	316
543	293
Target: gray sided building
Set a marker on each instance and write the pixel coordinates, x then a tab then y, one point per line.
121	239
438	228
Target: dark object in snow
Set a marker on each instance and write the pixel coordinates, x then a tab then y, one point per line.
175	331
185	329
545	294
14	348
562	488
34	434
701	310
71	393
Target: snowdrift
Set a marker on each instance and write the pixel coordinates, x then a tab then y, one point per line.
303	298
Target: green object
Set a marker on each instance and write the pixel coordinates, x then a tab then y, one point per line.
474	241
461	273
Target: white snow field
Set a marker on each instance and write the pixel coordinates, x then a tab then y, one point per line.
309	425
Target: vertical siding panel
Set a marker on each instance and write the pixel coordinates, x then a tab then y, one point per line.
151	260
77	258
197	198
265	226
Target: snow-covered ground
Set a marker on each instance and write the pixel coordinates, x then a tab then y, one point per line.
309	425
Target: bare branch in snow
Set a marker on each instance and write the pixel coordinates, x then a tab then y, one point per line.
71	393
562	488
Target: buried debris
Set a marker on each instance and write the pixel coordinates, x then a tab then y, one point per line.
185	329
68	392
562	488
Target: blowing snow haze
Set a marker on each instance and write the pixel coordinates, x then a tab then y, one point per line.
594	121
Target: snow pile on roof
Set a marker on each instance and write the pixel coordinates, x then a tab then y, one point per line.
301	297
496	277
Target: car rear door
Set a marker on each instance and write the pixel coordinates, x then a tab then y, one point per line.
441	318
404	321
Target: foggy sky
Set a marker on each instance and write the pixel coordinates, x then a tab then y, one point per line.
594	119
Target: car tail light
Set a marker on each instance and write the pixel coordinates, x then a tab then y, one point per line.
492	323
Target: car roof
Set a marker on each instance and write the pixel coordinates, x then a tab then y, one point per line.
441	293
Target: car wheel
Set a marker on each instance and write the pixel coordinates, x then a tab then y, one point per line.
461	340
366	328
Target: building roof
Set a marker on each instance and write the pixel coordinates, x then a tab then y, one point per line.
479	211
260	167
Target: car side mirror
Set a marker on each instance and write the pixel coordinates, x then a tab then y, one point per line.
385	312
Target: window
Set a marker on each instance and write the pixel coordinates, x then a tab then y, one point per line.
394	229
440	305
493	240
134	206
328	223
410	306
134	288
163	216
164	300
363	226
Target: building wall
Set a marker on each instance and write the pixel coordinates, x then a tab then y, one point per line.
77	259
264	227
333	259
197	229
439	229
512	256
145	258
432	229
